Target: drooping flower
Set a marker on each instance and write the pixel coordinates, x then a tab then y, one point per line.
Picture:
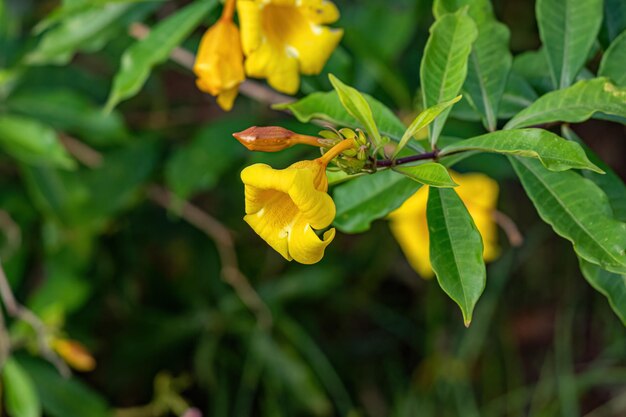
287	206
283	38
219	63
409	226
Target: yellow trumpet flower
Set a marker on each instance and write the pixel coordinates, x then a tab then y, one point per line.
410	228
219	63
283	38
287	206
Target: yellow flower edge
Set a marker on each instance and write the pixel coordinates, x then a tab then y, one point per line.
219	63
409	226
285	207
283	38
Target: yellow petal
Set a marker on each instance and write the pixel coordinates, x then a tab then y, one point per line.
305	246
275	64
249	12
320	11
226	98
313	58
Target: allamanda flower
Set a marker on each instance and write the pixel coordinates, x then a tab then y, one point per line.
283	38
409	225
219	64
287	206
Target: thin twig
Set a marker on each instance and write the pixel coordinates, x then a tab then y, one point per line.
225	247
87	156
18	311
510	228
407	159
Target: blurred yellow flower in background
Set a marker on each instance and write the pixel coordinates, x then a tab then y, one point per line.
74	354
410	228
283	38
219	63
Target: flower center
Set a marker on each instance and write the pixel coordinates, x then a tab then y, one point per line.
282	25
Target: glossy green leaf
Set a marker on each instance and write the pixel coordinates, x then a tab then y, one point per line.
554	152
64	397
357	106
612	286
73	113
423	120
138	60
574	104
199	165
20	397
430	173
365	199
327	107
533	67
578	210
444	64
490	60
612	185
568	29
456	249
31	142
614	21
613	62
89	29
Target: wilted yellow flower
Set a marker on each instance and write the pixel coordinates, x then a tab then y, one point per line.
287	206
74	354
219	63
410	228
283	38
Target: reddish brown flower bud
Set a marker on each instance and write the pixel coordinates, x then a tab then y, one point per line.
274	139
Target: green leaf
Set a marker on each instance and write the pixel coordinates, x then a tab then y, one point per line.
568	29
490	60
614	21
578	210
518	95
199	165
64	397
610	182
19	393
554	152
423	120
357	106
456	249
574	104
139	59
327	107
89	29
71	112
614	61
431	173
444	64
32	142
365	199
533	67
612	286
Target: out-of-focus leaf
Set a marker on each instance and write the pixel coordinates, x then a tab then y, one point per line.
292	372
612	286
357	106
62	397
554	152
518	95
365	199
614	61
574	104
614	21
578	210
431	173
71	113
533	67
89	30
422	120
143	55
568	29
19	393
33	143
327	107
456	249
444	64
306	284
198	165
610	182
490	60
